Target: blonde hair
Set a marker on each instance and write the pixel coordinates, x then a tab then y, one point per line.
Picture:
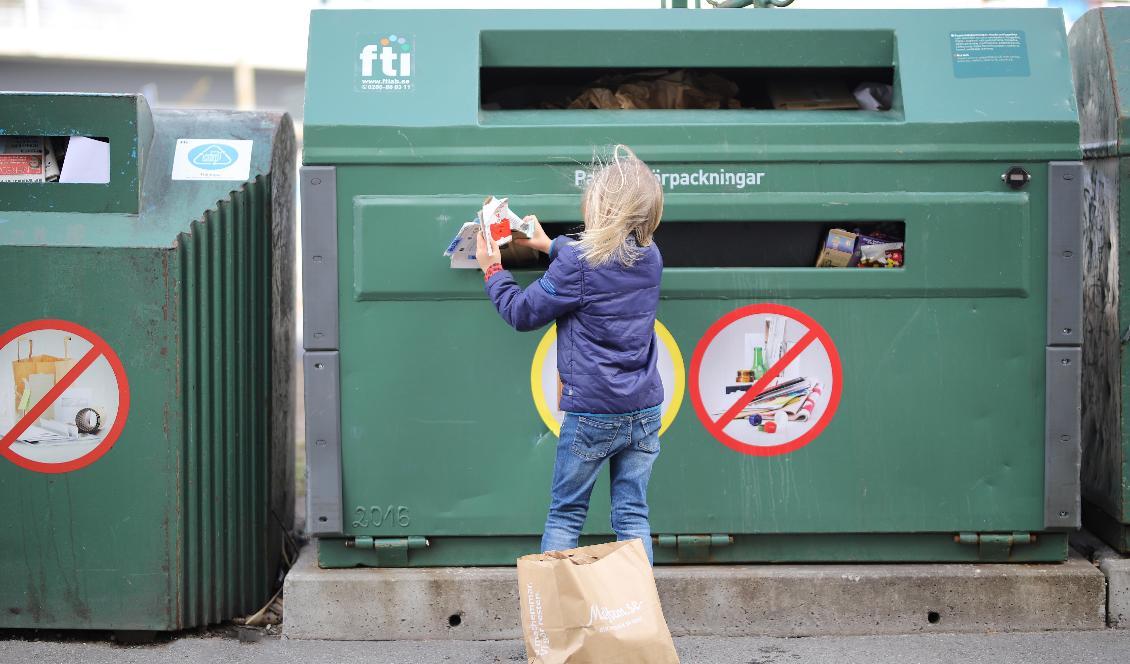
622	198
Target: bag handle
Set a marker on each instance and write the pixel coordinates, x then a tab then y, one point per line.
29	347
66	348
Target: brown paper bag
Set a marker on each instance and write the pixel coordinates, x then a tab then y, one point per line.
24	368
593	605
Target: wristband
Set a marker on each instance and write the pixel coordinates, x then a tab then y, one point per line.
494	269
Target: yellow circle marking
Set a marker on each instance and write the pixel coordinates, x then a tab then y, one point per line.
550	338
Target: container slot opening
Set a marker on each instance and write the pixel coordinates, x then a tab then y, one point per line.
690	88
59	159
768	244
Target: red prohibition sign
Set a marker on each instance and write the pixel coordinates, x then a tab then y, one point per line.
815	334
100	349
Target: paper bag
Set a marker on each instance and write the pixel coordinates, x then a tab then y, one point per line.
23	369
594	604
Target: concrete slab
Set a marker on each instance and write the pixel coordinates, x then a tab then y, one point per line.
761	600
1116	569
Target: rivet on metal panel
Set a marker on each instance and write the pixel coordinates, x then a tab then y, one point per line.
320	443
1067	254
1065	438
1065	361
315	181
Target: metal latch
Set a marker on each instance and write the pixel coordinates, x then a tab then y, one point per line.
994	546
1016	177
391	551
693	548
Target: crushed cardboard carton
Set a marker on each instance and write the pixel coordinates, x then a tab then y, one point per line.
496	218
659	89
812	94
838	249
27	159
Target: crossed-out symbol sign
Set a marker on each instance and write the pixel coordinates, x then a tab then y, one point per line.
59	413
765	379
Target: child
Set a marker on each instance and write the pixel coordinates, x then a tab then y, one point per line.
603	291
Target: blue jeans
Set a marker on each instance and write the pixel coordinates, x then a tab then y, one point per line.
630	444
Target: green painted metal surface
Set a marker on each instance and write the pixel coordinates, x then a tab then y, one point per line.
1100	50
937	116
941	425
180	523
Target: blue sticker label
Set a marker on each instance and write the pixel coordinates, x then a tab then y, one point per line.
212	156
989	54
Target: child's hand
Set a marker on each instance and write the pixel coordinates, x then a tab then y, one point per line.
538	239
486	260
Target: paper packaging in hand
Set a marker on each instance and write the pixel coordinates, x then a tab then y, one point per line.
500	220
503	225
593	604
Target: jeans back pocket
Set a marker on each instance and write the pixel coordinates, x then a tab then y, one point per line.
594	437
650	424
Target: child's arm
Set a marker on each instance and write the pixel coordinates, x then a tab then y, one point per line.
557	293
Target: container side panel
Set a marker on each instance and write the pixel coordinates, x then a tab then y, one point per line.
1102	353
93	548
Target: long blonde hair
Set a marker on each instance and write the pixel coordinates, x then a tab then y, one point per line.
622	198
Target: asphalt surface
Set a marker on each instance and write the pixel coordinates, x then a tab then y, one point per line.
1091	647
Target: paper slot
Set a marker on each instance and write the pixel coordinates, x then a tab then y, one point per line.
63	159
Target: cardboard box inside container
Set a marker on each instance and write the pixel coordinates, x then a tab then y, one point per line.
812	94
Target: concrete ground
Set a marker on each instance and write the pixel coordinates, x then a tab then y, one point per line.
1089	647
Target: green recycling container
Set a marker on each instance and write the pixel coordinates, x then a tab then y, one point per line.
925	411
1101	57
148	317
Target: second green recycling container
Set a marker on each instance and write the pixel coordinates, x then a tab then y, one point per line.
431	424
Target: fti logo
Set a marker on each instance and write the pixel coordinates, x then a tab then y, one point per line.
386	64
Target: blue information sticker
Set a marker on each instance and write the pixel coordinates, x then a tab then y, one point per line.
989	53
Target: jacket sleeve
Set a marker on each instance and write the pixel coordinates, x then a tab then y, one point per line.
555	294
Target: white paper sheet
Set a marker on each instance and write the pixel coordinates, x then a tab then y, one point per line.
87	161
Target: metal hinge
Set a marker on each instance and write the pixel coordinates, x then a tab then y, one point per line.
693	548
994	546
391	551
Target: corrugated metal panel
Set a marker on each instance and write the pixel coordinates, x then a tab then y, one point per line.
226	378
